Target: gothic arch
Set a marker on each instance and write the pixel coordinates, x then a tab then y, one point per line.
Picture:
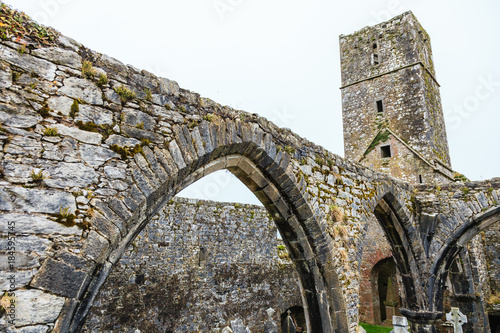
398	229
267	174
453	248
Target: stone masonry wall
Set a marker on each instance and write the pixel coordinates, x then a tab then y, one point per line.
404	164
405	83
491	241
197	266
400	41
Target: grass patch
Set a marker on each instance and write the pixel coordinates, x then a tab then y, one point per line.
149	95
88	70
88	126
124	93
75	107
209	117
37	177
44	111
375	329
460	178
124	152
103	80
50	131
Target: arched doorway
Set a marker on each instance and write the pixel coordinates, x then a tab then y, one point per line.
320	285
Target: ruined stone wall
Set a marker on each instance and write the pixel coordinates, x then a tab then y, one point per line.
78	191
198	265
448	206
491	241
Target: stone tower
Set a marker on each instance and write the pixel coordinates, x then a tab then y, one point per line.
391	106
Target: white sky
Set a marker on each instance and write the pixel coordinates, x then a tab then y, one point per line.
280	59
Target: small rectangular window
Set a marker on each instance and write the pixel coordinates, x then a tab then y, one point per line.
385	151
380	106
375	59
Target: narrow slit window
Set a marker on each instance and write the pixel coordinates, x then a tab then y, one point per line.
375	59
380	106
420	179
374	46
385	151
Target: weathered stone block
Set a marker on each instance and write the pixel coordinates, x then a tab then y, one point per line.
142	134
105	227
82	89
134	118
22	261
19	279
36	201
94	114
5	75
60	279
96	156
36	307
28	63
82	136
21	120
114	172
177	154
64	174
34	224
121	141
96	247
59	56
60	104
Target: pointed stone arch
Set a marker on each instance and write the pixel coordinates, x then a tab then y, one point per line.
399	232
161	173
452	249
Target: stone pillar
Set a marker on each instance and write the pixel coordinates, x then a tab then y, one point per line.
391	302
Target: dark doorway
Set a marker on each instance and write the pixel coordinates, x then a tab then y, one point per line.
494	323
298	316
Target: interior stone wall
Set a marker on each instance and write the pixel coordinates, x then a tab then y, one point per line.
197	266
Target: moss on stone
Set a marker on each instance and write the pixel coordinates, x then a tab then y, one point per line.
382	136
125	152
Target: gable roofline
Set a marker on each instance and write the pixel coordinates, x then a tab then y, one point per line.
429	163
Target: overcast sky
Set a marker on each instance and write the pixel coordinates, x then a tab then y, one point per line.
280	59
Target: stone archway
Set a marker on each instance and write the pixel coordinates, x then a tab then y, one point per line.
395	224
295	219
102	156
449	253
